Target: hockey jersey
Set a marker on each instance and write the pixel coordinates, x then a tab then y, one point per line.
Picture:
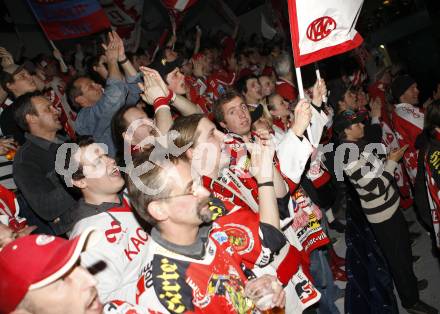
408	123
213	283
122	246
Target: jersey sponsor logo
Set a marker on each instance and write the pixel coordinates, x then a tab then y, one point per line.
170	287
305	291
240	237
231	287
199	299
110	234
136	243
221	237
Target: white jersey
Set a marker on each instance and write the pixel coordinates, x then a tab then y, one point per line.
122	246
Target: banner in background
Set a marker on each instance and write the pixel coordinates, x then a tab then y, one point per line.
321	29
66	19
126	17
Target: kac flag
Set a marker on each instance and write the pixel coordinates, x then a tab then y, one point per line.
323	28
63	19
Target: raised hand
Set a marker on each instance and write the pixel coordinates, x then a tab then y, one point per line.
397	154
302	117
6	57
262	153
121	48
152	87
319	92
376	108
111	49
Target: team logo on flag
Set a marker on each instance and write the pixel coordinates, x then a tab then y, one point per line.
321	28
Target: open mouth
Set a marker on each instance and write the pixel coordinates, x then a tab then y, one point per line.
115	172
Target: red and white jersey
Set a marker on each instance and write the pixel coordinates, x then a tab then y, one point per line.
9	210
218	82
173	283
196	89
432	167
122	246
286	90
58	98
402	180
408	123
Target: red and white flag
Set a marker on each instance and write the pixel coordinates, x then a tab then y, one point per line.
321	29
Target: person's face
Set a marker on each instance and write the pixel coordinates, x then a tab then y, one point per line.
187	68
187	204
237	118
253	90
47	117
267	85
411	95
143	128
280	107
350	100
208	155
170	55
355	132
75	293
176	82
23	83
102	176
91	91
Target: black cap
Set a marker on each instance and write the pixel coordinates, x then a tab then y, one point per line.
256	112
345	119
400	85
164	67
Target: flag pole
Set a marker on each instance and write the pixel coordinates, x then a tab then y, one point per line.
63	64
300	83
318	77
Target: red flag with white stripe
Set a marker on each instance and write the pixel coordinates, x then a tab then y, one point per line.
321	29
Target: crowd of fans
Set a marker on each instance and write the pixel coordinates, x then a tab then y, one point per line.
194	179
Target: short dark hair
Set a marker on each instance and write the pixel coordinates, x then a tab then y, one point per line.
217	107
73	91
241	84
82	141
24	106
152	178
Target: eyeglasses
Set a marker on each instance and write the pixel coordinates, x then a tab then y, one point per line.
194	187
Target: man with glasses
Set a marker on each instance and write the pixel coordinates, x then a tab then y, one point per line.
190	265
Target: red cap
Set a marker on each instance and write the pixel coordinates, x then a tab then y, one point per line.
34	261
